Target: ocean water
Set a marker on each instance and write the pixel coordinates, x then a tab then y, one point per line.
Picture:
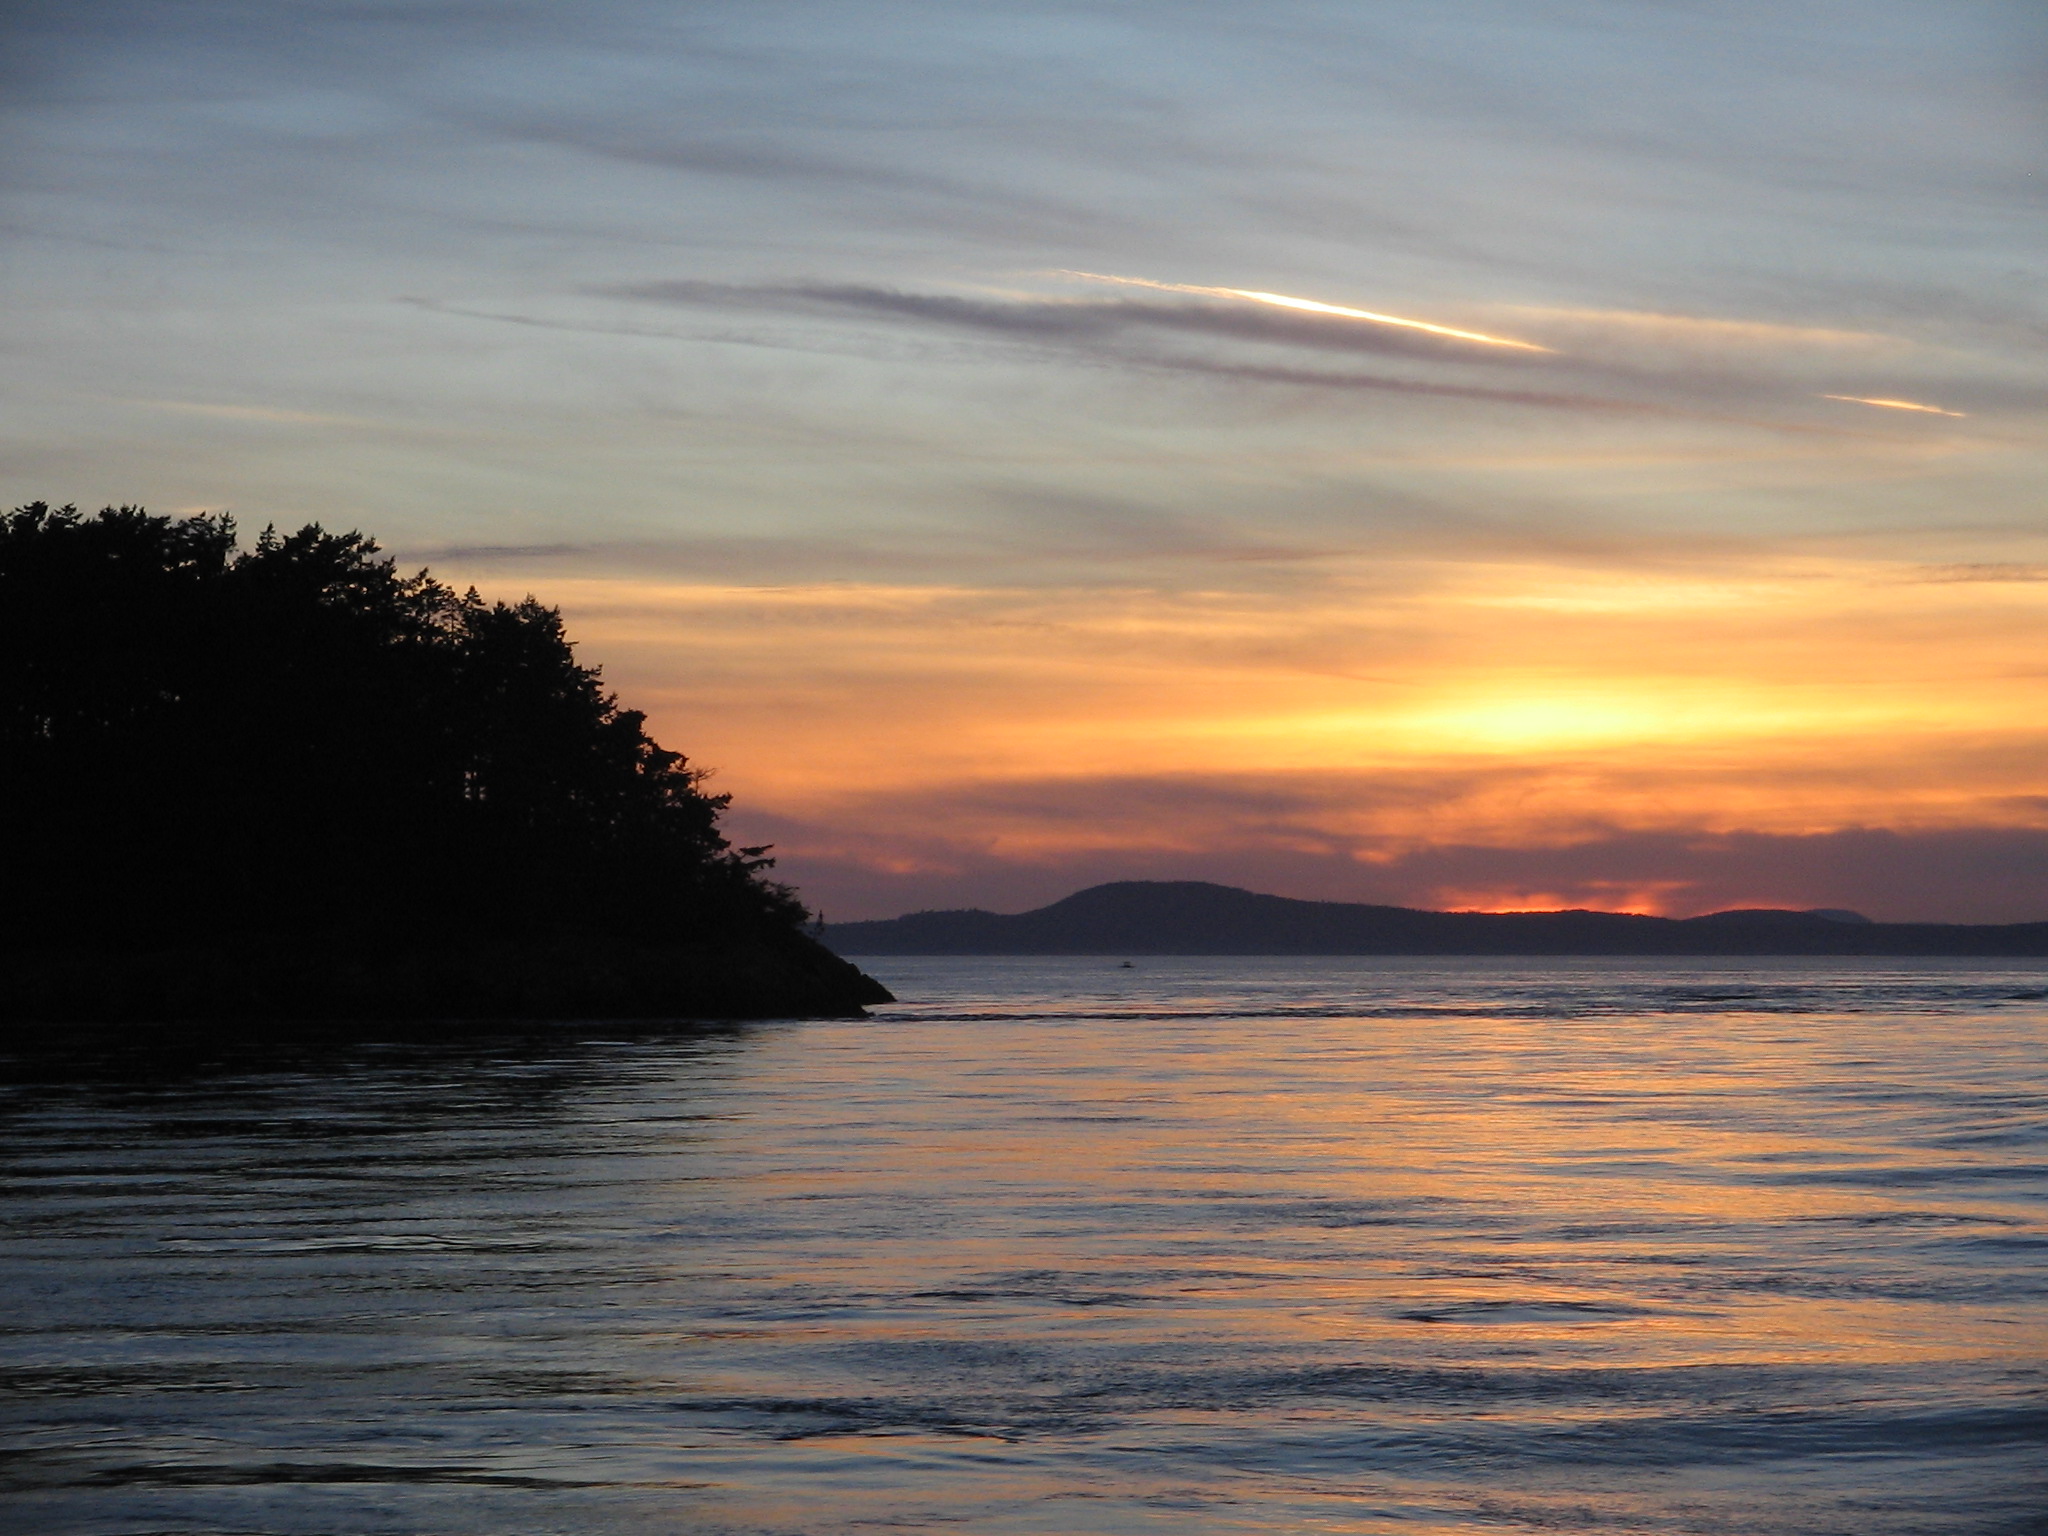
1053	1246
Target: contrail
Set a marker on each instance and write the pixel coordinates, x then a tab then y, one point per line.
1313	306
1896	405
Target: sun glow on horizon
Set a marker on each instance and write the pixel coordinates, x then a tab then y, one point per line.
1310	306
1455	728
1544	905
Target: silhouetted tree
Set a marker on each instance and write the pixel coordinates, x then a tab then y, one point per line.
204	744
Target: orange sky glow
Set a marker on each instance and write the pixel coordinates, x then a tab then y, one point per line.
1401	704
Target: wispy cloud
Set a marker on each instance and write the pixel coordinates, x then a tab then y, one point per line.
1116	331
1308	378
487	553
1050	319
1709	330
1985	570
1894	405
1310	306
264	413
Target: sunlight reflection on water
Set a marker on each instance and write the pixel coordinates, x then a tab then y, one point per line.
1245	1245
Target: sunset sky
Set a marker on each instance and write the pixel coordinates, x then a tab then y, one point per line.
1464	453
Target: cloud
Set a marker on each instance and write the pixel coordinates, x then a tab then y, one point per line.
1308	306
266	413
1061	319
1684	371
1896	405
1984	570
1702	330
487	553
1115	331
1308	378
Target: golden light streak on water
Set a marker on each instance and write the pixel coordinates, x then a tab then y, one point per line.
1895	405
1312	306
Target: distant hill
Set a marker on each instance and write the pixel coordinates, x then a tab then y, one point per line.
1192	917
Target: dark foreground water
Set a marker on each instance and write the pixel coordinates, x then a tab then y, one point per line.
1204	1246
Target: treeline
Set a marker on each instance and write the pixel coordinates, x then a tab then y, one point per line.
202	744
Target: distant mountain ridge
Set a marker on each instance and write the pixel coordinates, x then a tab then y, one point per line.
1194	917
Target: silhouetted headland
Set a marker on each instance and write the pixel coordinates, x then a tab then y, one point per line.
291	783
1190	917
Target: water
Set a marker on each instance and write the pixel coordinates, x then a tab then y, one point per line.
1209	1246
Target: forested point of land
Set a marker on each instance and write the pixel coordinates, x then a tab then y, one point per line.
290	780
